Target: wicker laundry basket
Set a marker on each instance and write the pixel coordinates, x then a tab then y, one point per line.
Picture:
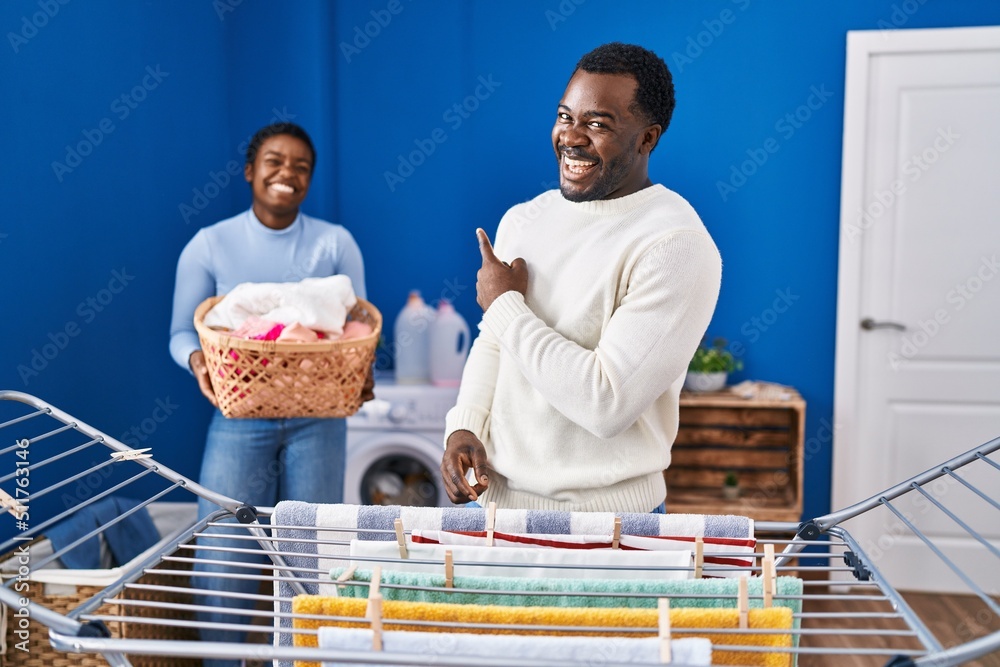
40	652
274	379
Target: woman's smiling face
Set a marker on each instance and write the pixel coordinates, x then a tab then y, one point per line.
280	174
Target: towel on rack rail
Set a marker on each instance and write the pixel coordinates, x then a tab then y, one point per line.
528	562
332	527
463	618
508	591
727	552
582	650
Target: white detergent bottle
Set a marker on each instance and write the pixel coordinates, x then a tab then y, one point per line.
449	346
412	341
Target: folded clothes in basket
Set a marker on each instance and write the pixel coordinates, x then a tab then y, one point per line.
581	650
325	531
509	591
556	563
321	304
724	551
462	618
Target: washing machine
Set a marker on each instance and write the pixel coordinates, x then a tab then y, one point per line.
394	446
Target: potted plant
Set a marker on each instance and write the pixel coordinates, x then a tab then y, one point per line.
710	366
731	486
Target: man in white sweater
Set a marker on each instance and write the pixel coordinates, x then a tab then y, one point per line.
569	398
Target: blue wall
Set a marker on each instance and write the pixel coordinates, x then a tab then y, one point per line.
156	172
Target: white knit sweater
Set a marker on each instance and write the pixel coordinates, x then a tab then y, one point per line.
573	388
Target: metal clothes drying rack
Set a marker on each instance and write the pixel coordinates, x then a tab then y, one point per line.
47	455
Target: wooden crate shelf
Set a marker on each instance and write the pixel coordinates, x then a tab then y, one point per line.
761	440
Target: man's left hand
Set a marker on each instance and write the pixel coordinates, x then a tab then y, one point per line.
496	277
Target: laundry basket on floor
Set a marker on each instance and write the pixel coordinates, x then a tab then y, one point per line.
275	379
63	590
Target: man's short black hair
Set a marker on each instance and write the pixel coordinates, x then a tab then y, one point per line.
273	130
654	96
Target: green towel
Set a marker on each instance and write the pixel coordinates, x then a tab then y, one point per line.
496	591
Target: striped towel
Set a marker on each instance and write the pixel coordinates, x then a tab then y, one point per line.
721	547
331	547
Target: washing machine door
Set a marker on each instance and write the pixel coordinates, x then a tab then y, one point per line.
390	468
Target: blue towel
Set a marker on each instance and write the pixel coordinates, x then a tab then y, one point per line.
126	538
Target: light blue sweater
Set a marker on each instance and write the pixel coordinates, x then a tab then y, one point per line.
241	249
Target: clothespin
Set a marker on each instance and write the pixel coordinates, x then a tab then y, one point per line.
663	608
348	574
400	538
374	610
9	503
132	454
743	603
616	538
376	582
768	580
449	569
699	556
491	519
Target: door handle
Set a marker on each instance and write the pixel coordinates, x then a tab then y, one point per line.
868	324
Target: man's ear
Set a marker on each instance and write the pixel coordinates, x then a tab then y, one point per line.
248	172
650	137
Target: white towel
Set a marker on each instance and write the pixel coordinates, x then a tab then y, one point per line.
321	304
726	552
695	651
588	562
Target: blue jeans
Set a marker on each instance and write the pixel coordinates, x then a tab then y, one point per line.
659	509
260	462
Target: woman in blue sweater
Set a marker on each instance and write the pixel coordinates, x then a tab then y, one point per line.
262	461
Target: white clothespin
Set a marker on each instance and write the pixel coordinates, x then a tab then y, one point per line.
449	569
768	580
374	610
743	604
699	556
9	503
491	519
663	608
616	538
132	454
400	538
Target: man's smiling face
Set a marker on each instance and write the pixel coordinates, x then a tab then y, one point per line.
280	174
601	144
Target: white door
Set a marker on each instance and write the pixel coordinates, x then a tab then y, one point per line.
920	259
